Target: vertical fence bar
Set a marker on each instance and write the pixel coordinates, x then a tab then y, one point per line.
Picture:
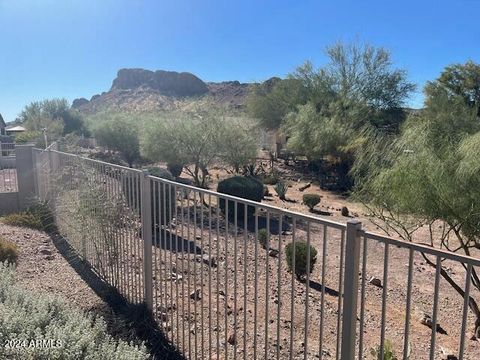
146	216
352	262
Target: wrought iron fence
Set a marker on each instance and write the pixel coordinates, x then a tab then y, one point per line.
220	286
8	171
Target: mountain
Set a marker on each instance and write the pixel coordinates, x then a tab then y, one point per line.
139	90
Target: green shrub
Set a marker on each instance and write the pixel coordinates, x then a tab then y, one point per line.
41	210
28	137
8	252
311	200
24	219
175	169
263	237
27	316
388	353
301	252
281	190
108	157
271	179
345	211
243	187
38	216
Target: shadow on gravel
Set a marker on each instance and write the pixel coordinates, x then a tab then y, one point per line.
176	243
124	320
318	287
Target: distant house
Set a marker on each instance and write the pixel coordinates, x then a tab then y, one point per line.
15	130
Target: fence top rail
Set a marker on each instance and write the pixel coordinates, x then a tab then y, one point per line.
445	254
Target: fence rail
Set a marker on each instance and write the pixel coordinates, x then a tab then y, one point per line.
219	285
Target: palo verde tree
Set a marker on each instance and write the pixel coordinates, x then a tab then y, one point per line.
120	133
198	139
429	177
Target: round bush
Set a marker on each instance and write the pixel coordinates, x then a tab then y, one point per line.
243	187
311	200
301	253
8	252
175	169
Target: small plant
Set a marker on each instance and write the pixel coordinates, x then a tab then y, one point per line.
271	179
8	252
263	237
388	353
281	190
311	200
301	258
74	334
345	211
24	219
175	169
253	170
41	210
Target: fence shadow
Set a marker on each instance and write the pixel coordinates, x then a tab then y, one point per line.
136	317
170	241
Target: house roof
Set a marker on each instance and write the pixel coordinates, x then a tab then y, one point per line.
15	128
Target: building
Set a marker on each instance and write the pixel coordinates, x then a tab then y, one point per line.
2	126
15	130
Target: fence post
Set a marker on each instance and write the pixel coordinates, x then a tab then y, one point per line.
146	216
350	292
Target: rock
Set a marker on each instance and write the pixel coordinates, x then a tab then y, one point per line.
273	253
45	251
426	320
304	187
196	294
170	83
375	281
79	102
49	257
232	337
207	260
472	336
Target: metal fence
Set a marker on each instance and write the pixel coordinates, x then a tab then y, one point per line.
8	171
213	270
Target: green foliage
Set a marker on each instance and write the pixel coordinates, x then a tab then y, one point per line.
238	143
32	316
24	219
120	133
55	115
42	211
458	80
243	187
271	179
301	258
108	157
311	200
388	353
38	216
271	101
8	252
197	139
33	136
281	189
428	177
186	138
175	169
263	237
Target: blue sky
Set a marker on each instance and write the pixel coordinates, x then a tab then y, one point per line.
73	48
